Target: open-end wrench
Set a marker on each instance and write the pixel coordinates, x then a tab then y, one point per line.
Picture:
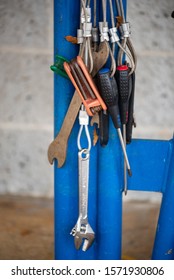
82	231
58	147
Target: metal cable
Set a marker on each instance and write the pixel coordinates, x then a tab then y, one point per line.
84	9
87	135
104	10
118	7
88	3
85	49
126	41
120	52
95	13
112	13
133	52
122	10
112	22
130	58
113	64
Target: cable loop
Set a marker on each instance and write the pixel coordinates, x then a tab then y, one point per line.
87	136
83	121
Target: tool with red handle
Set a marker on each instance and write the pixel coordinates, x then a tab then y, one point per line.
122	78
108	89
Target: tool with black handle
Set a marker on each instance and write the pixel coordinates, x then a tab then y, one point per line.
104	127
108	89
131	120
122	78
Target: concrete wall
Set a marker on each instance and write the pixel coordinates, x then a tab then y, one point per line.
153	37
26	86
26	100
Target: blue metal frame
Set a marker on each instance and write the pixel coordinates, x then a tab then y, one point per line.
152	163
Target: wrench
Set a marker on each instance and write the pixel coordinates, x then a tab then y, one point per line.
58	147
82	231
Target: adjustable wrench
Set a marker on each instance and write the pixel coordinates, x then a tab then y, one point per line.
58	147
82	231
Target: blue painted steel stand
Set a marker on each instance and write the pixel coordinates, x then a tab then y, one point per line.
152	163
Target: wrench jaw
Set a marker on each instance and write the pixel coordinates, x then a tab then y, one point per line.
57	151
83	234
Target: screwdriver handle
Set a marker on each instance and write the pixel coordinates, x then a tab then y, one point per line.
122	78
104	127
129	125
108	89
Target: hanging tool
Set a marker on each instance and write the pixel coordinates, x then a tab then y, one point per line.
123	75
82	81
109	92
131	118
82	231
122	78
104	127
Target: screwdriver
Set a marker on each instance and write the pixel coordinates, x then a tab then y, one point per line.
131	121
108	89
122	78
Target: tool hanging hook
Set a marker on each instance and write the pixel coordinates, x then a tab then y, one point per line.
125	35
84	35
83	121
115	38
103	27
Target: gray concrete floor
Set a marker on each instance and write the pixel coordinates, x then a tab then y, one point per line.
26	228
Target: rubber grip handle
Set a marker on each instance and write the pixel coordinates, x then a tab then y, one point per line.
108	89
129	125
104	127
122	79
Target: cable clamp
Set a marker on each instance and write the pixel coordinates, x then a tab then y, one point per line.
86	16
79	36
125	30
87	29
103	27
113	35
83	116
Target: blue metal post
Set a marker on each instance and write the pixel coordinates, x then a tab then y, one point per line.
66	22
164	241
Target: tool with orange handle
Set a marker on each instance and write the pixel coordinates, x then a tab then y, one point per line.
83	83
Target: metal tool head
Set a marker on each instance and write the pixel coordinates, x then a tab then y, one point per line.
95	120
83	237
100	57
57	150
58	147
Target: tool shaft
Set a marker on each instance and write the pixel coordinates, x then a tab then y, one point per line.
124	152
